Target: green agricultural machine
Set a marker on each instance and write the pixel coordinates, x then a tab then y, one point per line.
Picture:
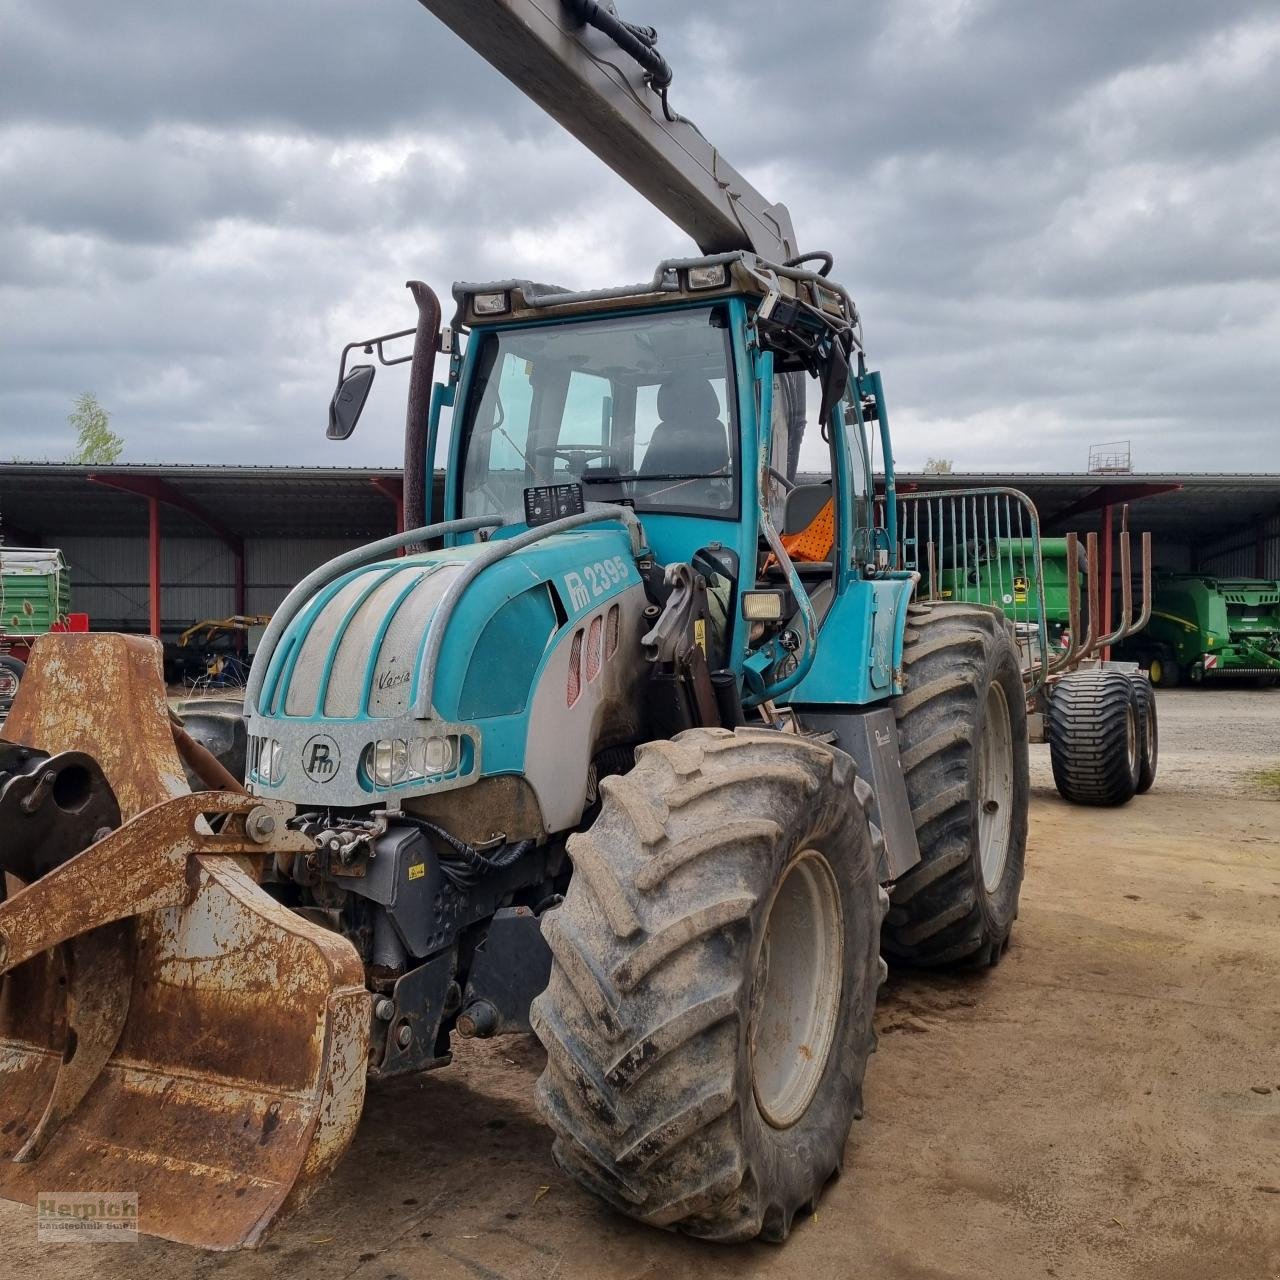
1098	715
1014	592
35	599
1207	628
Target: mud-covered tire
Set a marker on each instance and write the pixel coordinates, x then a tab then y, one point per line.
649	1019
1148	734
947	909
1093	734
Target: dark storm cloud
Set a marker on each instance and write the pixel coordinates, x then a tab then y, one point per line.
1059	220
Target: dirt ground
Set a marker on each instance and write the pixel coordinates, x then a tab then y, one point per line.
1104	1104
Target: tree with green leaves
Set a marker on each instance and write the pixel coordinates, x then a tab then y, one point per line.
96	443
938	467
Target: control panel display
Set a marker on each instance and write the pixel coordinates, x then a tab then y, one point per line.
545	503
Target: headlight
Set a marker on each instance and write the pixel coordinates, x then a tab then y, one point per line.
389	762
273	762
763	606
430	756
267	761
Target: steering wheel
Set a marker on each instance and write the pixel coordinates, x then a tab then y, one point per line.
570	452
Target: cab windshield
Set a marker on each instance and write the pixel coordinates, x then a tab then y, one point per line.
633	407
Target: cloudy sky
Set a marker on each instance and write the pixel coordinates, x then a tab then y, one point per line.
1061	221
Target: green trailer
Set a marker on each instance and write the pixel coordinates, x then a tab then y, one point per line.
1209	628
35	598
1002	572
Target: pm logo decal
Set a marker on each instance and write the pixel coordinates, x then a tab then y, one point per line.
321	758
594	581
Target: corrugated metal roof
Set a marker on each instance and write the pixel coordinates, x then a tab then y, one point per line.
44	501
343	502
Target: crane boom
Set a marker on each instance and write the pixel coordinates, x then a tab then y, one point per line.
577	60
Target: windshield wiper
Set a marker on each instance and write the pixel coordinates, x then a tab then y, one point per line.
653	475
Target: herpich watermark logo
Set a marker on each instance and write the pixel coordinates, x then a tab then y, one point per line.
86	1217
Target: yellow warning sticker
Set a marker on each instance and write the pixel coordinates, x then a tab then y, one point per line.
417	870
700	634
1020	590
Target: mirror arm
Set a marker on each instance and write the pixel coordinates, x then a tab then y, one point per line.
370	346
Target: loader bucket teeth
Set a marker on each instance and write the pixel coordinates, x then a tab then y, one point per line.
166	1027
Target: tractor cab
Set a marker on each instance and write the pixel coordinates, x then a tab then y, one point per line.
687	400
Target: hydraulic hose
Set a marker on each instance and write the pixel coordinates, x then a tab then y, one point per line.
633	39
462	864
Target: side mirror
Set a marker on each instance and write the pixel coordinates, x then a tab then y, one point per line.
348	401
835	380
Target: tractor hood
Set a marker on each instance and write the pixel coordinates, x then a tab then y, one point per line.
353	712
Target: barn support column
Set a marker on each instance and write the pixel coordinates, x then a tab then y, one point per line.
153	563
157	491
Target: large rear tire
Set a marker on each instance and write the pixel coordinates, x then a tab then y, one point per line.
709	1015
962	730
1094	737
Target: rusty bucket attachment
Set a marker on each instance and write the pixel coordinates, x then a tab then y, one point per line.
166	1027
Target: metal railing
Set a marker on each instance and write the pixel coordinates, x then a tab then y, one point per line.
981	546
984	546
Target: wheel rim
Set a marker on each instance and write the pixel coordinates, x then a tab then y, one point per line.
1156	670
795	999
1131	738
995	787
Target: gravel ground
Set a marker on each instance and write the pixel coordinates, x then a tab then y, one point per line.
1104	1104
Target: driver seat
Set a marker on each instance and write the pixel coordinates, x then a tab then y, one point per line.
689	438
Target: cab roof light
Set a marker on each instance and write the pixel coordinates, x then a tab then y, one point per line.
490	304
711	277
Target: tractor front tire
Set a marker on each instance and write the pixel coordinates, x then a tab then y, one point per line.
715	968
962	732
1093	728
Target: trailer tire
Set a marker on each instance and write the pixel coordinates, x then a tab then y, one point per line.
17	668
1148	734
674	1092
1094	740
962	731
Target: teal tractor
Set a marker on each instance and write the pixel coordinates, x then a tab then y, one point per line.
605	763
1206	627
586	752
597	758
